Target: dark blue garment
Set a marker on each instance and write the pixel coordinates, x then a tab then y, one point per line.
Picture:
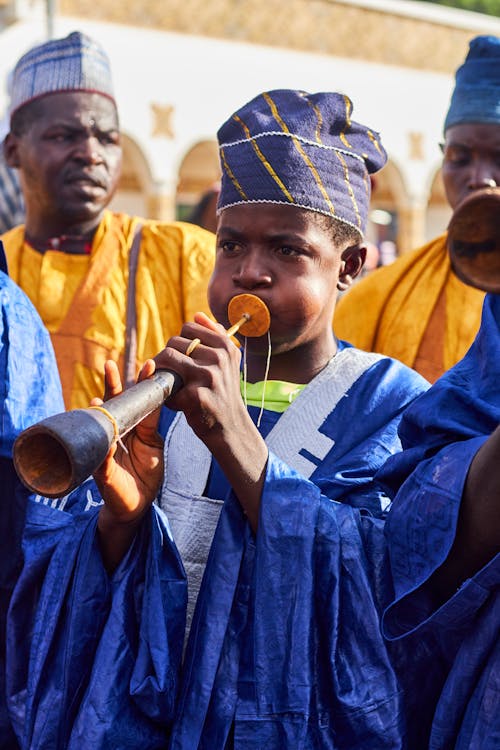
29	391
285	649
29	382
285	646
101	667
441	433
13	497
3	259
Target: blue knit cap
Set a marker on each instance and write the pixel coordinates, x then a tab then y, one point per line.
300	149
476	97
75	63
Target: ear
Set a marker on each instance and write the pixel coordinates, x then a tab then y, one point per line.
351	263
10	151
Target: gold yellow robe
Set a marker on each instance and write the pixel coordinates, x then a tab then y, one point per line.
82	299
415	310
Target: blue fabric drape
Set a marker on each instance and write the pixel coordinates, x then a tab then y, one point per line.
441	434
29	391
285	649
29	382
101	667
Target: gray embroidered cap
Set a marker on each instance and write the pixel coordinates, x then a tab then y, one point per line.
74	63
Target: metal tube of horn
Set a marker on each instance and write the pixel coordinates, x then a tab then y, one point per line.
474	240
57	454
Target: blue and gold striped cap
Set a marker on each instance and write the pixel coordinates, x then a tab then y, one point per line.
300	149
74	63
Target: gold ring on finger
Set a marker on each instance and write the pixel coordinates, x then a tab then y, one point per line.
192	346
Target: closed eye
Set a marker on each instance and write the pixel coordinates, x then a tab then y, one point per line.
110	137
61	136
457	156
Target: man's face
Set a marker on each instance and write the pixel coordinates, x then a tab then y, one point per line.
471	160
69	159
286	257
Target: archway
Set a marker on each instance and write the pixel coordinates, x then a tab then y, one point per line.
198	173
386	229
135	188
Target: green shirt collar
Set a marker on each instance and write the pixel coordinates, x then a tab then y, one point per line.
277	397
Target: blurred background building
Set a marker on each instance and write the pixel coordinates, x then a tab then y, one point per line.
182	66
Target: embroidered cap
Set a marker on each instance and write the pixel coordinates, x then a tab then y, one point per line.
74	63
300	149
476	97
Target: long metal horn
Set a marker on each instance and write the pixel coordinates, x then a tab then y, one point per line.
57	454
474	240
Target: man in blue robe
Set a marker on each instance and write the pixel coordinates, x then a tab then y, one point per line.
267	481
444	538
29	391
444	527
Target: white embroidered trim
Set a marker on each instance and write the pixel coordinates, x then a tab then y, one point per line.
292	135
294	205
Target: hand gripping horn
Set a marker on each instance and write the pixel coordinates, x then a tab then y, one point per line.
57	454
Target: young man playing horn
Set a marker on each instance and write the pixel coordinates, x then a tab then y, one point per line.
276	497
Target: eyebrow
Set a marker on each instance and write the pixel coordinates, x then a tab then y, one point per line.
231	231
61	121
470	146
285	236
455	144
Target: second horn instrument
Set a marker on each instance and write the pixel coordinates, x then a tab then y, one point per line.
474	240
57	454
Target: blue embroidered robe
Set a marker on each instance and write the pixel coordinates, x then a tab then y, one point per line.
29	391
441	434
285	649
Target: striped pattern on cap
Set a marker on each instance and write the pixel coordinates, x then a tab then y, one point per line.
74	63
300	149
476	97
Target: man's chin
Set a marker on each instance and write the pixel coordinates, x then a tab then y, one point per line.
85	204
83	215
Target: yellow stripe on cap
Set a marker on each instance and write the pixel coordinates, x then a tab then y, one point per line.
347	121
231	175
349	187
264	160
301	151
374	141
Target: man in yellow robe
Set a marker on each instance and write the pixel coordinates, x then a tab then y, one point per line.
106	285
417	310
